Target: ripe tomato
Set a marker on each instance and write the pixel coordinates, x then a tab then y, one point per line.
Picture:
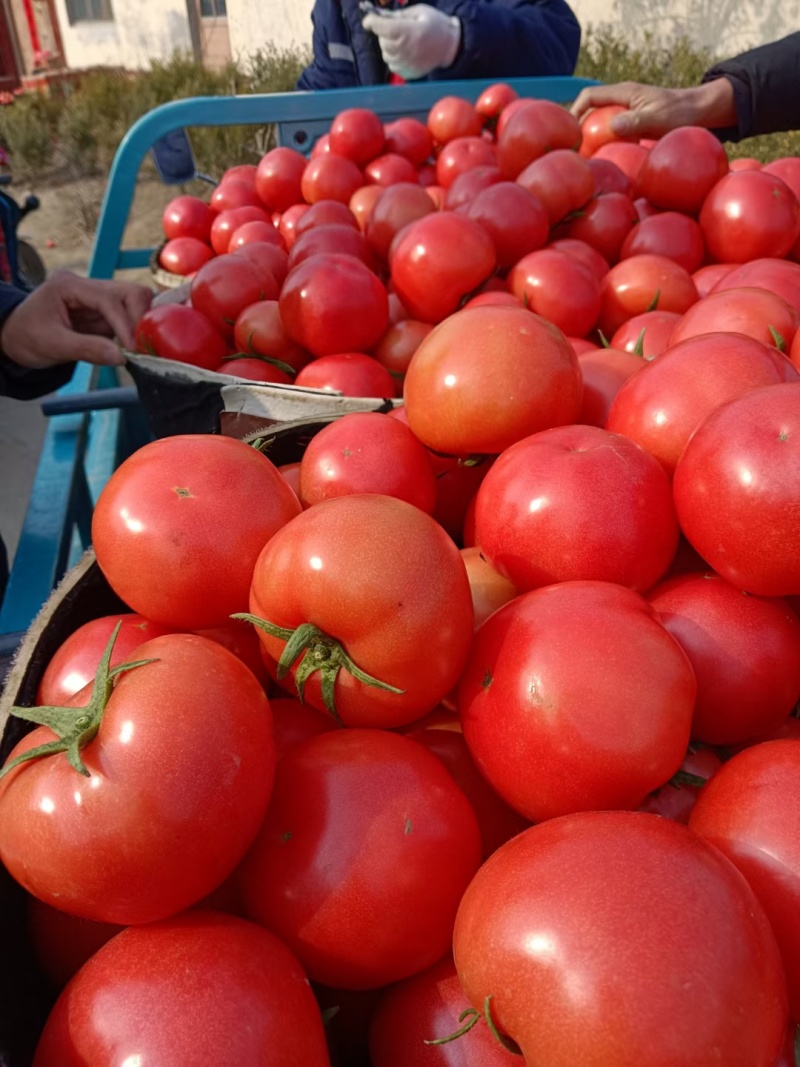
224	992
348	373
677	798
227	222
627	156
187	216
232	194
362	202
389	169
644	283
255	232
561	180
63	943
569	906
682	168
334	303
427	275
179	525
490	590
132	843
417	821
396	207
608	178
259	330
254	369
452	117
460	155
175	331
330	177
365	452
756	313
410	138
589	256
596	128
223	288
409	595
325	213
776	275
605	223
333	238
748	215
494	99
749	811
576	503
515	219
466	186
745	651
604	372
675	393
357	134
706	278
669	234
649	333
184	255
534	128
267	257
74	663
397	346
487	377
278	178
294	723
736	490
558	287
788	170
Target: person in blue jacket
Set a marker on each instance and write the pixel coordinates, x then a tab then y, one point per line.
358	43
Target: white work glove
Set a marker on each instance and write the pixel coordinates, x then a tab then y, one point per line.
415	40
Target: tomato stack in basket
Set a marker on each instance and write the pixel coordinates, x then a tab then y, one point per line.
469	737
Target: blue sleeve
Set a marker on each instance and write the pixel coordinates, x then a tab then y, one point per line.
513	39
325	72
20	383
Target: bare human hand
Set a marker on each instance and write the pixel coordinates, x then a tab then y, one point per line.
70	318
654	111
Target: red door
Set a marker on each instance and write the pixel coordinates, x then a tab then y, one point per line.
9	71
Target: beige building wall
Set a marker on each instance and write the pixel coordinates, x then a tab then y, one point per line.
141	30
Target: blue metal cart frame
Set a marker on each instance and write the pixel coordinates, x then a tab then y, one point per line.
86	439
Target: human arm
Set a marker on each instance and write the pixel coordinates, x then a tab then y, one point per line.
654	111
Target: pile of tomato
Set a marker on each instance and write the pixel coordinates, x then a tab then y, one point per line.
471	737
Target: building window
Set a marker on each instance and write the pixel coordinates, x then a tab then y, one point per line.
213	9
89	11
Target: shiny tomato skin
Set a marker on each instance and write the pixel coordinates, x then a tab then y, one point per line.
608	178
644	283
287	226
575	698
604	372
675	393
278	178
331	239
788	170
605	223
515	220
461	155
749	811
410	138
777	275
180	776
466	186
254	232
745	651
669	234
682	168
357	134
653	327
706	278
493	100
577	503
570	904
232	194
559	288
629	157
676	799
424	1008
333	303
325	213
490	590
749	215
452	117
348	373
596	129
74	663
259	330
389	169
383	805
736	489
428	278
225	286
227	222
294	723
224	991
255	369
750	311
488	376
184	255
188	216
179	332
396	207
267	257
561	180
362	202
179	525
535	128
409	597
364	452
589	256
330	177
397	346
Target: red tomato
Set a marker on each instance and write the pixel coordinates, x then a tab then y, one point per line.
131	843
627	156
255	233
605	223
788	170
175	331
179	525
492	298
776	275
410	138
431	1006
736	490
289	220
357	134
596	128
515	219
334	303
362	202
348	373
558	287
187	216
322	146
417	820
745	651
589	256
748	215
749	811
294	723
259	330
232	194
364	452
460	155
650	332
322	240
494	99
428	276
675	393
577	503
255	369
608	178
225	286
677	798
535	128
554	703
667	234
756	313
244	172
225	992
409	593
389	169
63	943
468	185
794	351
330	177
569	906
644	283
228	222
490	590
278	178
184	255
452	117
604	372
682	168
396	207
561	180
239	639
706	278
74	663
397	346
487	377
325	213
267	257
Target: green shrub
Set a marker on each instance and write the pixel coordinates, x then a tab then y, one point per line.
28	130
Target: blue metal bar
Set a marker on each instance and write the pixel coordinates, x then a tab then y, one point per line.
120	396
